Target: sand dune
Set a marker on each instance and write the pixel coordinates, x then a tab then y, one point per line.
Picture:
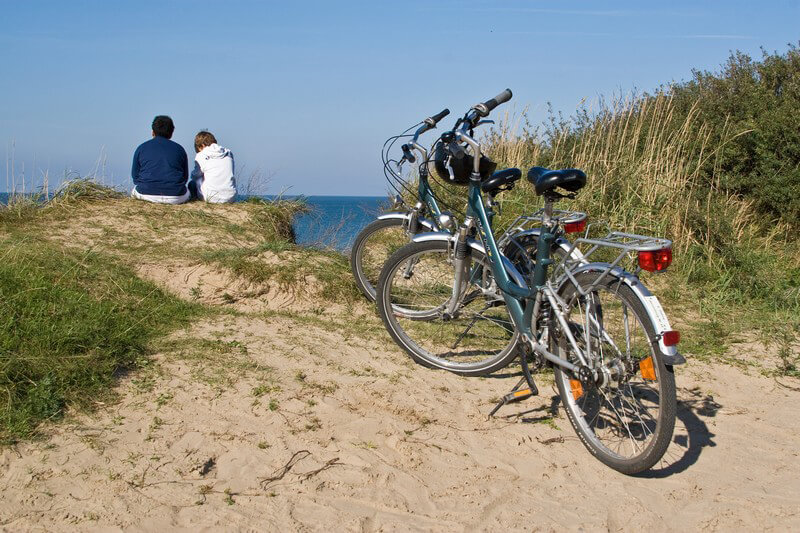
290	419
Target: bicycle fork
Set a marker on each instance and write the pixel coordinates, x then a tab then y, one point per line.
461	264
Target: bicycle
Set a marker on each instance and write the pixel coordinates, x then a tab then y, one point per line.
380	238
602	331
389	231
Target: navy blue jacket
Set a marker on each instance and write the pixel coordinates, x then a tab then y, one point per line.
160	167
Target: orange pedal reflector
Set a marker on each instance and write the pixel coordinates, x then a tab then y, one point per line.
647	368
577	388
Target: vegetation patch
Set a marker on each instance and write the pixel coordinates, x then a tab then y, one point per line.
69	323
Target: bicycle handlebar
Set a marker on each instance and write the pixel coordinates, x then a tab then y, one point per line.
501	98
482	110
432	121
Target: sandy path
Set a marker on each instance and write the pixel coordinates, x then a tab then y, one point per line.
305	420
358	438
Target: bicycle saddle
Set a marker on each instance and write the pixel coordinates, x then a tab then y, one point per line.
545	180
500	179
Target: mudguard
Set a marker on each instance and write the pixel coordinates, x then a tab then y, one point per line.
511	270
404	215
562	243
649	301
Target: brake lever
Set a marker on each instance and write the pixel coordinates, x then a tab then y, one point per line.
482	122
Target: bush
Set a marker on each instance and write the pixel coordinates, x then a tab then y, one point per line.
757	105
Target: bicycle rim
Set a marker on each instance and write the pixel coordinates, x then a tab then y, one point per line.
417	285
373	246
627	421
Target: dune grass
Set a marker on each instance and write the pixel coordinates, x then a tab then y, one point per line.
735	271
71	322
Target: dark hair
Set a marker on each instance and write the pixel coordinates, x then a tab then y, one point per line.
202	139
163	126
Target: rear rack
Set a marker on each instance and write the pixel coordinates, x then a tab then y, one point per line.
629	242
626	243
524	222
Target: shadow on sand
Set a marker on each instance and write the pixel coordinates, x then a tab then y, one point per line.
691	408
696	438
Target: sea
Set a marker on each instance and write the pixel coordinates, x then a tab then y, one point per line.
331	222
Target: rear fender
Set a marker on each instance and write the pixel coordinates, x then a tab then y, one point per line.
650	302
562	243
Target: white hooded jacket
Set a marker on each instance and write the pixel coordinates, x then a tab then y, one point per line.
213	173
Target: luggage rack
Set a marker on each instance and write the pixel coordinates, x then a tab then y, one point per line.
626	243
524	222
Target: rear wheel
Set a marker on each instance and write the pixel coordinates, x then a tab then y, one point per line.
627	418
414	293
372	247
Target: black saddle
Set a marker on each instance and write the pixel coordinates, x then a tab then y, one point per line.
545	180
500	179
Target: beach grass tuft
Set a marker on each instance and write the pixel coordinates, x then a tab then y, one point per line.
71	322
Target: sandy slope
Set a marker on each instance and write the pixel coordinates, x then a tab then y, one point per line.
303	421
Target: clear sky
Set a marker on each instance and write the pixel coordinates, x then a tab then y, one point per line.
308	91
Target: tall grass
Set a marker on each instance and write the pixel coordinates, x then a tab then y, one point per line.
644	168
647	165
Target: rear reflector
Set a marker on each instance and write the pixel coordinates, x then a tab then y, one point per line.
576	227
646	366
655	260
577	388
671	338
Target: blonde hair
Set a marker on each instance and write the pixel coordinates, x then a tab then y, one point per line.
203	139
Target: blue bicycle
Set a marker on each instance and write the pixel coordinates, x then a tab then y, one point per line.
602	331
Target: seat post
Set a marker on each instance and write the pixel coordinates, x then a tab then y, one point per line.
548	210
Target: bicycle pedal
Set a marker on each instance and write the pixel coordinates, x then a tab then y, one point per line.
519	395
515	396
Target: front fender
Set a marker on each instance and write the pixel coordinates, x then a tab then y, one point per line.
649	301
474	244
406	216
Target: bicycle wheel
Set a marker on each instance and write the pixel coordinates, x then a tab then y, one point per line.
627	419
372	247
414	292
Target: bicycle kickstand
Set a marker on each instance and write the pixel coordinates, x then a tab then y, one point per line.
517	394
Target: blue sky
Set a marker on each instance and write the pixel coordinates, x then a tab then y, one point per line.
308	91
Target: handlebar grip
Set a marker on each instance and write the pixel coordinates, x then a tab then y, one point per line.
440	115
485	108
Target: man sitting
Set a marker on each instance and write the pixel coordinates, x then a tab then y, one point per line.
160	167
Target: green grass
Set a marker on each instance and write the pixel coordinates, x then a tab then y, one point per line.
69	323
292	269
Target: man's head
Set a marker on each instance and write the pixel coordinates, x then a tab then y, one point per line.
203	139
163	127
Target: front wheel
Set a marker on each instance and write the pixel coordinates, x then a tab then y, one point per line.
472	336
626	418
372	247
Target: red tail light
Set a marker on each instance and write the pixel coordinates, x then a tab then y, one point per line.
671	338
655	260
576	227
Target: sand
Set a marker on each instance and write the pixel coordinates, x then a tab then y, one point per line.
280	418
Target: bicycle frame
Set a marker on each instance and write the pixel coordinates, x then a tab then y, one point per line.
524	303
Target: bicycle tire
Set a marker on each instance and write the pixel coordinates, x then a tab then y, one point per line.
618	302
365	277
476	351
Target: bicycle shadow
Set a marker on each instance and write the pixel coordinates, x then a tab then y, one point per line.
697	436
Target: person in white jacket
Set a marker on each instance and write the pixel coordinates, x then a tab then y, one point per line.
213	178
